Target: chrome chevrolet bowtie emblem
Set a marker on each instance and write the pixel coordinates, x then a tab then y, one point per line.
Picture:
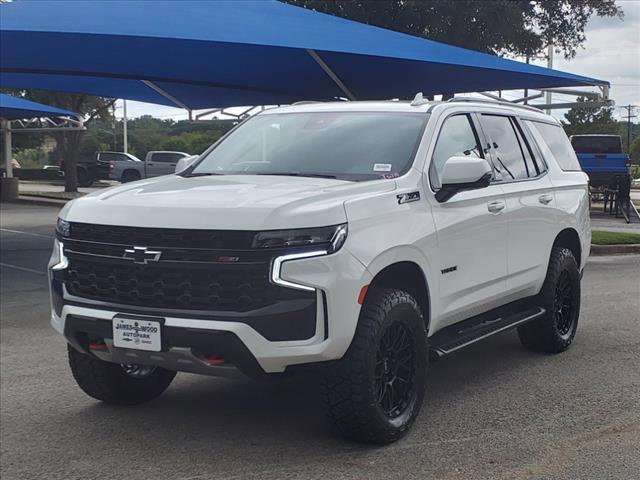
141	255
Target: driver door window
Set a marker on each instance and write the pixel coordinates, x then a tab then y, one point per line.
457	138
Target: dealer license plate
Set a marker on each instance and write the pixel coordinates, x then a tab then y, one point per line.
137	334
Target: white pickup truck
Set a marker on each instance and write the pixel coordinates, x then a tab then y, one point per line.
124	167
360	239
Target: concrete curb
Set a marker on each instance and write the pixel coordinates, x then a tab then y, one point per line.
631	249
44	201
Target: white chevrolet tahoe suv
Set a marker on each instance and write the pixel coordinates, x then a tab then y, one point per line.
357	239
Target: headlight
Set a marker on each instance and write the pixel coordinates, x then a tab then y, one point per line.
332	238
63	227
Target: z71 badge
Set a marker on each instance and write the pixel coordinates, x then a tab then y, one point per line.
408	197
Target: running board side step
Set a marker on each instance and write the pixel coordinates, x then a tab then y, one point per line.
446	342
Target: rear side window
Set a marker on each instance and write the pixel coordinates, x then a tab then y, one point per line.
508	147
113	157
596	144
166	157
559	145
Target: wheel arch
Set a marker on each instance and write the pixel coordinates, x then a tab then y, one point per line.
569	238
406	275
130	171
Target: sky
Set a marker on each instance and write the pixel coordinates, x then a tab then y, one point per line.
611	52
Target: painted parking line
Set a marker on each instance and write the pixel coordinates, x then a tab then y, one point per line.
23	269
26	233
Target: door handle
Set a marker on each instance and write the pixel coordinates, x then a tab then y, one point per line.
496	207
545	199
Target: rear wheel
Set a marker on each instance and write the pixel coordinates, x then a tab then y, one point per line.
118	384
375	392
130	176
84	178
560	297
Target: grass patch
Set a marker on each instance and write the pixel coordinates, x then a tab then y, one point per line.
614	238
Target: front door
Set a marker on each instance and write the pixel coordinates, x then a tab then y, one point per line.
471	230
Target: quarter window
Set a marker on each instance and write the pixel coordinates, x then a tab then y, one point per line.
457	138
556	140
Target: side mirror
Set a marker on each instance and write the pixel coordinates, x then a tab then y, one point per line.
184	163
463	173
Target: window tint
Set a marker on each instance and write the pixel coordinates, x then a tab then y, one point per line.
113	157
508	150
457	138
556	140
596	144
166	157
353	146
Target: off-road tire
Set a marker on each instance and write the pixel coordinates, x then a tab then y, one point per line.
129	176
110	383
554	332
349	386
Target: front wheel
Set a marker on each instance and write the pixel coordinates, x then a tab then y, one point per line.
374	393
560	297
118	384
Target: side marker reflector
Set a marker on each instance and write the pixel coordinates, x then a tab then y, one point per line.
362	294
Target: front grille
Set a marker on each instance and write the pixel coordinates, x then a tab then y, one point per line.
162	237
220	287
198	269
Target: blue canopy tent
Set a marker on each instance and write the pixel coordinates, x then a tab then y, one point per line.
200	54
13	108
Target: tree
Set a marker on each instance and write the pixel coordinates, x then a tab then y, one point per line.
519	27
70	141
590	120
634	151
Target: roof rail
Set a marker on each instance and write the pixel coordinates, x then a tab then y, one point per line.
304	102
494	101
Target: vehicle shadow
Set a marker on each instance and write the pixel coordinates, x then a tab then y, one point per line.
216	421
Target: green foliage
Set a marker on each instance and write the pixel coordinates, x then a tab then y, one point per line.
521	27
634	153
614	238
147	133
586	120
31	157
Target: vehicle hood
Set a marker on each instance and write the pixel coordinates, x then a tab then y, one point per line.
238	202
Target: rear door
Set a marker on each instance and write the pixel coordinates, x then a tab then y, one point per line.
530	203
162	163
471	230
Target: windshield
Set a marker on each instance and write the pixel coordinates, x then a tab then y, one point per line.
345	145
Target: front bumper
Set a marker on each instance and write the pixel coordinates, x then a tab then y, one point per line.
246	344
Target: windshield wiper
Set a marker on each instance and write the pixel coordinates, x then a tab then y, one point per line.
297	174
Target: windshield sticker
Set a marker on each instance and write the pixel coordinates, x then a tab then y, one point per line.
390	175
382	167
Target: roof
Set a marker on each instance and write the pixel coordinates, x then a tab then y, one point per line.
469	103
197	54
14	108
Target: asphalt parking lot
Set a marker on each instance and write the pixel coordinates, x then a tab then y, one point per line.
494	411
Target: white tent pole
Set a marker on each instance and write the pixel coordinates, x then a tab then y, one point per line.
6	133
549	65
124	126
